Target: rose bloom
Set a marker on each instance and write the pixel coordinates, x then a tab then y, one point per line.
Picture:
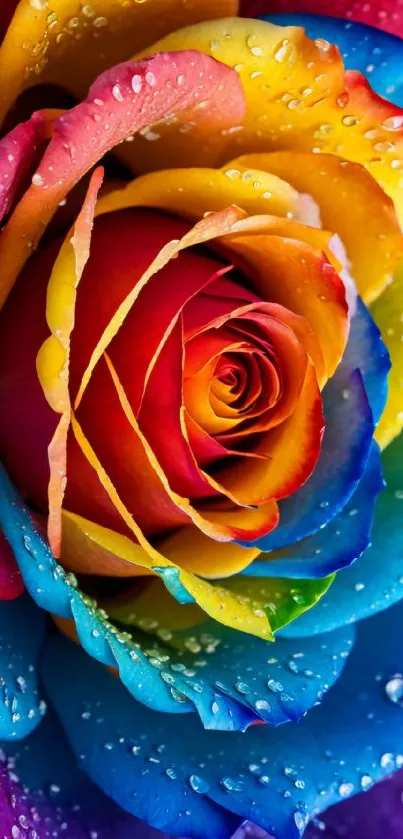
200	289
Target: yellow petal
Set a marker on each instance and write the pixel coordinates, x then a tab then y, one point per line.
192	192
351	203
387	311
219	604
70	42
298	97
53	356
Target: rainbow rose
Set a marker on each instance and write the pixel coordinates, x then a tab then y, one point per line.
200	363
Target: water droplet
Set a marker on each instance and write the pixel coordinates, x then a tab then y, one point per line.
262	705
198	784
215	707
100	22
171	773
350	120
283	51
37	179
117	93
232	784
393	123
387	761
136	83
275	687
242	687
150	79
366	782
394	690
346	789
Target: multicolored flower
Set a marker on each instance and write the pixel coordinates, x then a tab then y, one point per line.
200	359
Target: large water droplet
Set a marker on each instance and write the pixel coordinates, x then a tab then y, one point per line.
198	784
232	784
394	690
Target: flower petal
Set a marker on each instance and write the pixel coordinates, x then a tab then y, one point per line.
387	314
70	44
21	708
275	64
53	357
351	204
317	763
148	90
334	546
237	780
373	813
19	151
192	192
337	23
11	583
375	581
42	788
347	439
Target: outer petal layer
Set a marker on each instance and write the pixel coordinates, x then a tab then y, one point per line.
298	97
121	101
70	43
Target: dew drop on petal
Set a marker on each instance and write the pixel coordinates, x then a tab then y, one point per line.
394	690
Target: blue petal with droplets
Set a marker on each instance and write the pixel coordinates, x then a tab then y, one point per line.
22	631
335	546
375	581
44	794
56	591
170	678
275	777
266	678
366	350
378	55
141	760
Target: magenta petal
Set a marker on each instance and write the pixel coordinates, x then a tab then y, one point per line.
11	584
18	155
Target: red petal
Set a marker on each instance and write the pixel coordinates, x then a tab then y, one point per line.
122	101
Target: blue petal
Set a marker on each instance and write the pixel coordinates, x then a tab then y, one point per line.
139	758
345	449
43	793
335	546
22	630
353	400
263	677
277	778
378	55
375	581
153	671
366	350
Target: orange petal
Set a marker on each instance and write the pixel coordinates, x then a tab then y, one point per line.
70	43
297	276
53	356
351	204
292	450
191	549
298	97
